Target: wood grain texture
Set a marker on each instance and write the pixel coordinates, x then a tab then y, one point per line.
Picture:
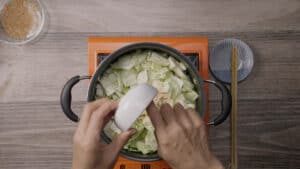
38	135
34	133
267	134
172	15
38	72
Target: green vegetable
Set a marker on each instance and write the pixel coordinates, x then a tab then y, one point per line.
128	77
126	63
191	95
111	83
156	58
153	67
142	77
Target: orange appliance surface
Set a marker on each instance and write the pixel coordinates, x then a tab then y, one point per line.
198	45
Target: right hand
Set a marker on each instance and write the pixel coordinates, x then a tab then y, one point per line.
182	138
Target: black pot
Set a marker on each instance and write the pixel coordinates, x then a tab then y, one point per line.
192	72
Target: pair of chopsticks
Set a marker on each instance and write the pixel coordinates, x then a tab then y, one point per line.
234	60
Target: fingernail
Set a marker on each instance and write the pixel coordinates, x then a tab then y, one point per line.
132	131
179	106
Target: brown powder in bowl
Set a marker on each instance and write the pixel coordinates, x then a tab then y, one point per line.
17	18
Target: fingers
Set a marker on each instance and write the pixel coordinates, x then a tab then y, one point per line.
89	108
121	139
182	116
167	114
155	116
99	116
196	120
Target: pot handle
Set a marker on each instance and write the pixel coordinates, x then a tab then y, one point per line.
225	104
66	97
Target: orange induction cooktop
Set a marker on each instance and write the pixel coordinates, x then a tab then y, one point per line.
195	48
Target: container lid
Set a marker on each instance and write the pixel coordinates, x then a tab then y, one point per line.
133	104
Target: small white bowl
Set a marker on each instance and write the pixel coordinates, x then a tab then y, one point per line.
133	104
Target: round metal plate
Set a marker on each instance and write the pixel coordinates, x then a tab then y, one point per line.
220	60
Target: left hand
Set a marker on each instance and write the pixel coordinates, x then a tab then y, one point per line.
88	151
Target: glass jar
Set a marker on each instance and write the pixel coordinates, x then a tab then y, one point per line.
38	15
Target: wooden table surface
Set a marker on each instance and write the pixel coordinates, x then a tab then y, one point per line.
34	133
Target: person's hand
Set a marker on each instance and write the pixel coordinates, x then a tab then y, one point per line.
182	138
88	151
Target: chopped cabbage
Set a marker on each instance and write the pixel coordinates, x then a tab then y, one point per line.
128	77
162	87
126	62
111	83
153	67
156	58
142	77
191	95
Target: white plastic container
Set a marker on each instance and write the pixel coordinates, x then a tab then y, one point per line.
133	104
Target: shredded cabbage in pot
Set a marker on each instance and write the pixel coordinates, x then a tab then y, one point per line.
164	73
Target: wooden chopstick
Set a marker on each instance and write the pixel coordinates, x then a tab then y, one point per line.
234	60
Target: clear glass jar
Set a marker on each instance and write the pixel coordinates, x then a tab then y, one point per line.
37	25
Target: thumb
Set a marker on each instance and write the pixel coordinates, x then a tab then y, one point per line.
122	139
